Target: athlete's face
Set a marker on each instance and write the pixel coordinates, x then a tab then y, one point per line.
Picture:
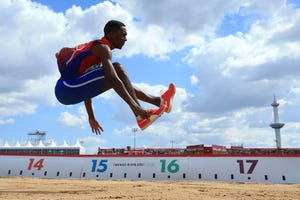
119	38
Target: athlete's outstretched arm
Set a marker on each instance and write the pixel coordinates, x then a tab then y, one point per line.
96	128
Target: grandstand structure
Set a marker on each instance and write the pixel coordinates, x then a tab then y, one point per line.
37	144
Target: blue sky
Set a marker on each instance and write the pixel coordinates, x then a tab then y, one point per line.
226	59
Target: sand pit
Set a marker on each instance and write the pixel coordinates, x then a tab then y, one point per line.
69	189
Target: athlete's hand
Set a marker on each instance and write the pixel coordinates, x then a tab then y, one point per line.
96	128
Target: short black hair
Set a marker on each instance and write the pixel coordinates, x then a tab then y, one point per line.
112	25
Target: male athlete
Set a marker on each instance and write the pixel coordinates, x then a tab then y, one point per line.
87	71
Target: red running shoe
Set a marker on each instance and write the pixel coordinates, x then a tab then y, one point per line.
154	115
168	96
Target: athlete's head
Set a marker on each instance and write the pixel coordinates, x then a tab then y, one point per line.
112	26
116	33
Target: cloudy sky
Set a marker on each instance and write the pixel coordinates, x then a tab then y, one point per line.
227	59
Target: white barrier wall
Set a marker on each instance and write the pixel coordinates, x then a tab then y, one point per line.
229	169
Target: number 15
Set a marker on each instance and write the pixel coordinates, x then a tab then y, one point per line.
102	165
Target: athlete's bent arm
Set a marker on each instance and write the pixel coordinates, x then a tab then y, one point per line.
96	128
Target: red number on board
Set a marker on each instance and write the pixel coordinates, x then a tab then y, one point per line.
38	165
251	168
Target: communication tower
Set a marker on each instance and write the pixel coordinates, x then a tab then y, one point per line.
276	124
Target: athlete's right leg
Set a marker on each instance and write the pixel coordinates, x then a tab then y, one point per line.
136	93
131	98
153	114
126	81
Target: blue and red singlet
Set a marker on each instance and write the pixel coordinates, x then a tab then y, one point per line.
82	75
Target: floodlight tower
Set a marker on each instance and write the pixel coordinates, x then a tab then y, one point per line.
37	136
276	124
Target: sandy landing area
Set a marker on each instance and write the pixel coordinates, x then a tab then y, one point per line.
69	189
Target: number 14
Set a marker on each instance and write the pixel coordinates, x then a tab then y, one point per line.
38	164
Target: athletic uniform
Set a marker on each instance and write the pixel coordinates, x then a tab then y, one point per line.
82	75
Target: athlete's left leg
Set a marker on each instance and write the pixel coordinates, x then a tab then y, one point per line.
165	98
143	96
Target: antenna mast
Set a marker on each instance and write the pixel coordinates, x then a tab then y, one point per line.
276	124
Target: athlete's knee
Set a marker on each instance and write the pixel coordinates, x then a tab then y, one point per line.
117	64
119	68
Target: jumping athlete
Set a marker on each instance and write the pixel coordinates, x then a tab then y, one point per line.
87	71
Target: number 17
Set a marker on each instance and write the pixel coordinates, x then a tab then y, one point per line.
251	168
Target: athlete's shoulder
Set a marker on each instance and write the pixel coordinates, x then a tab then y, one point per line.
105	41
101	50
87	46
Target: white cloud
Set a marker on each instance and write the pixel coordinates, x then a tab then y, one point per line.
91	144
194	16
6	121
90	22
74	120
194	80
30	34
246	69
12	104
295	90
